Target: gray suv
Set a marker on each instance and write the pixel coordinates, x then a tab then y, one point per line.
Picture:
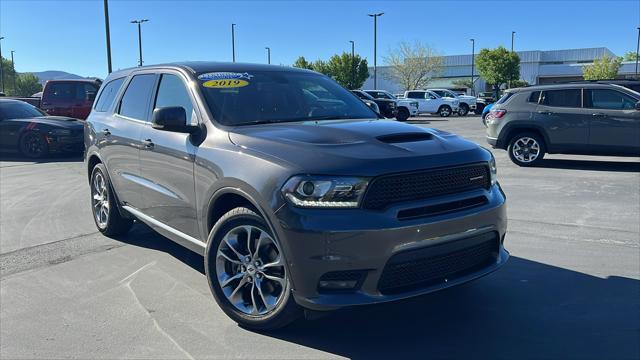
579	118
295	192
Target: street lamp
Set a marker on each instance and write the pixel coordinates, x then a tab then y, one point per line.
353	61
375	48
233	42
139	22
268	54
513	33
106	27
473	55
637	51
1	70
13	65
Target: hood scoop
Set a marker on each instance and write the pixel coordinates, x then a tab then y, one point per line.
405	137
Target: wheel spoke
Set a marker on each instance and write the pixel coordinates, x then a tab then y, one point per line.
228	258
231	278
276	263
254	310
279	280
238	287
248	230
226	240
262	297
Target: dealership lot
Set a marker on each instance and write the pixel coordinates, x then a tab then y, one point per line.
570	289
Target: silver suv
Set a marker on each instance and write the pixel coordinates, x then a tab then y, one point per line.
588	119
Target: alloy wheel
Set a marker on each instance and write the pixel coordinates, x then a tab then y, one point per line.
251	271
526	149
100	200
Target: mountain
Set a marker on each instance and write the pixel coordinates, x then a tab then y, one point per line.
43	76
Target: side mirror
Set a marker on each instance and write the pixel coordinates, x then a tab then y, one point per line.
172	118
638	105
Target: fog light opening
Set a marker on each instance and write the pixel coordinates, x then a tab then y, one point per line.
337	284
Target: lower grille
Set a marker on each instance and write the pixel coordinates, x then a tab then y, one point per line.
420	268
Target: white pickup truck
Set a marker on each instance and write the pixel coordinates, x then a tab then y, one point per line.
432	103
467	103
406	108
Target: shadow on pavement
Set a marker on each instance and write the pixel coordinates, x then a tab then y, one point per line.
524	310
15	157
593	165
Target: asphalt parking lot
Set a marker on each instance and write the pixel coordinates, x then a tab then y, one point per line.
570	290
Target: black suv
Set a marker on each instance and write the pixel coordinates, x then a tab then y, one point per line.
294	191
387	107
580	118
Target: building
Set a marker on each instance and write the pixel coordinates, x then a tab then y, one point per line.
536	67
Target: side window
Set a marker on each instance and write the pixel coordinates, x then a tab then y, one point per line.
415	95
135	101
562	98
609	99
172	92
62	91
108	94
430	96
534	97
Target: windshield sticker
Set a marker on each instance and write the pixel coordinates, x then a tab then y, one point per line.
224	76
225	84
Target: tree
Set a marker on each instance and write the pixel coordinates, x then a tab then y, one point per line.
630	56
519	83
412	65
8	72
302	63
345	70
465	83
605	68
27	84
498	66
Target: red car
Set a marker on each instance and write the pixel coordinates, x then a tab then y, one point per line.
71	98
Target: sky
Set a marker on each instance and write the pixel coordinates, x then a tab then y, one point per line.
69	35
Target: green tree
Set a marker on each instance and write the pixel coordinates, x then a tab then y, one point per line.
498	66
350	72
630	56
27	84
519	83
605	68
466	83
8	72
302	63
412	65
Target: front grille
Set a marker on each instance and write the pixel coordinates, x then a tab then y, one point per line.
389	189
420	268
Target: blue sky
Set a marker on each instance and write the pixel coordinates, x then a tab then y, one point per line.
69	35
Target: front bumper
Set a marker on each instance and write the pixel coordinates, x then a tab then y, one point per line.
318	242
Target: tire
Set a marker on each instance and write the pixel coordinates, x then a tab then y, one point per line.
232	272
463	110
526	149
444	111
403	114
479	108
33	145
104	206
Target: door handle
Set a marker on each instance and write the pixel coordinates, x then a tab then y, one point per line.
545	112
106	132
599	114
148	144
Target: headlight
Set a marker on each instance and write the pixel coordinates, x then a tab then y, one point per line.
325	191
493	170
59	132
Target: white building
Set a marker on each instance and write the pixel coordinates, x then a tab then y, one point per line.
536	67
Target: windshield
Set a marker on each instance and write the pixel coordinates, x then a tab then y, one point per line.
278	96
18	110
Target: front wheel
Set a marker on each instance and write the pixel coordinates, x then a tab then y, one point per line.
463	110
526	149
106	214
403	114
444	111
247	272
33	145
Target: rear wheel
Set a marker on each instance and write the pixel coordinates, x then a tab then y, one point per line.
33	145
444	111
247	272
463	110
526	149
104	206
403	114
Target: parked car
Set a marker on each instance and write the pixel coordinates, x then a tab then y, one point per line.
26	129
406	108
488	97
628	83
432	103
294	203
589	119
387	107
467	103
72	98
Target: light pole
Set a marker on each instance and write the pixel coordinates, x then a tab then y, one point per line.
353	62
513	33
637	51
13	65
106	27
268	55
1	66
473	56
233	42
139	22
375	48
